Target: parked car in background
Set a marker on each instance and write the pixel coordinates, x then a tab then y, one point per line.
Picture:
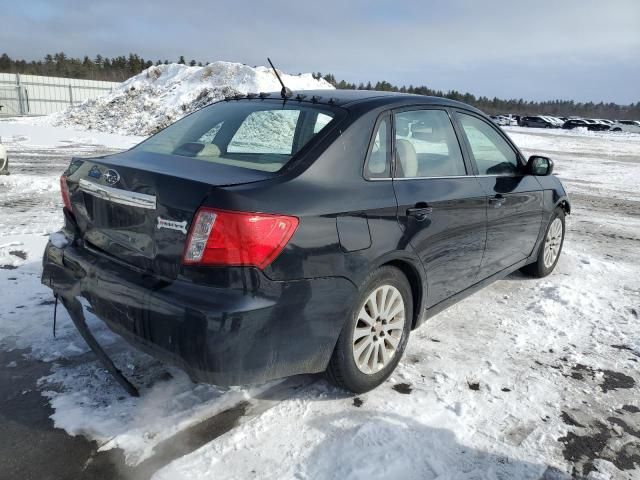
557	123
601	123
243	255
631	126
512	120
504	120
4	160
605	121
537	122
584	123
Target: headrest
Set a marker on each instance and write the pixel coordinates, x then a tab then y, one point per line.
406	155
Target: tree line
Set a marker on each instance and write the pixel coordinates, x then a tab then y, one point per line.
495	106
122	67
114	69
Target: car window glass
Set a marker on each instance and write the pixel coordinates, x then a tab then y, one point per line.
493	155
321	121
268	131
378	163
256	135
426	145
210	135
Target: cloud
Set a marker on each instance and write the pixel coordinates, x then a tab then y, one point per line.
460	44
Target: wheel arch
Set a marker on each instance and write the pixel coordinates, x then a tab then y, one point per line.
564	204
417	282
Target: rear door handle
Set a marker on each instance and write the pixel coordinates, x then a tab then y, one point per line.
497	201
420	211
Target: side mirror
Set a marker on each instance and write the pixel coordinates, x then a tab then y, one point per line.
540	166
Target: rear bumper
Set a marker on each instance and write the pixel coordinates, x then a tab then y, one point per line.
223	336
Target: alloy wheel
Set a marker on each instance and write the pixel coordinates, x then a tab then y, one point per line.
552	243
379	329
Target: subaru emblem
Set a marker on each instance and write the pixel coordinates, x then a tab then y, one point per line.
111	177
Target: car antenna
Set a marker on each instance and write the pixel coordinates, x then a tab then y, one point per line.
285	92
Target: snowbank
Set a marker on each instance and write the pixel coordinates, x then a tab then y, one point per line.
162	94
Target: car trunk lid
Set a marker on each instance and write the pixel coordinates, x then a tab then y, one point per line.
136	207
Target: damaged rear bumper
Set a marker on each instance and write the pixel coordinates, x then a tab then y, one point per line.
224	336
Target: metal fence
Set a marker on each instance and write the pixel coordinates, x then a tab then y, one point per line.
36	95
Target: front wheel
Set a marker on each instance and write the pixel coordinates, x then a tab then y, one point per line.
374	337
549	252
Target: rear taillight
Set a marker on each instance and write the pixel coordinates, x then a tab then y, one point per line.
222	237
64	190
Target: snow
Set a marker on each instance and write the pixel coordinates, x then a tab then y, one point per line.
162	94
481	392
590	162
38	133
58	239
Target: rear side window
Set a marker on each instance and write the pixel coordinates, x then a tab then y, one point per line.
492	154
426	145
257	134
379	160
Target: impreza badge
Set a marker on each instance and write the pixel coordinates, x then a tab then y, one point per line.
172	225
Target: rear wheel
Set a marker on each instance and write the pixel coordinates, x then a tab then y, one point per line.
550	249
374	337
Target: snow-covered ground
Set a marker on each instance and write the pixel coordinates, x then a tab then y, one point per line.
534	379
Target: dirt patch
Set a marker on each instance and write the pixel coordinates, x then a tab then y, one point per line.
403	388
569	420
626	348
598	443
615	380
19	253
611	380
631	408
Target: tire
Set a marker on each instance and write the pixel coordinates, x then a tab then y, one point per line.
541	268
359	377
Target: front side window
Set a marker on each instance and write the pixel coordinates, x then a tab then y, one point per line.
426	145
259	135
492	154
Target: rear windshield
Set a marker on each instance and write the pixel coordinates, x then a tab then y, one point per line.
255	134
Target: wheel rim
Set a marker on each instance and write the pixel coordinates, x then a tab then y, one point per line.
552	243
379	329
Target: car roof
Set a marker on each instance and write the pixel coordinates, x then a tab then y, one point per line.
372	98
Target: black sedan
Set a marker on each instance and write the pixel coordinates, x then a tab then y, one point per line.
262	237
588	124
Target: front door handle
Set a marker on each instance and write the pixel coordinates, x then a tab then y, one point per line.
420	211
497	201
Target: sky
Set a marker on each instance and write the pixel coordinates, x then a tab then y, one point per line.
537	50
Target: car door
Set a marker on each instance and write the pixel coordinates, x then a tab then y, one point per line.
441	207
514	208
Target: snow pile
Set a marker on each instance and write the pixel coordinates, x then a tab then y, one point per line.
162	94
